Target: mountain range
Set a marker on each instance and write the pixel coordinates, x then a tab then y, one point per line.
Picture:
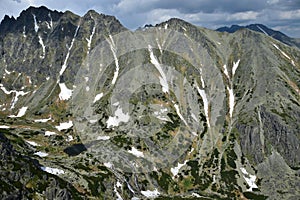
92	110
264	29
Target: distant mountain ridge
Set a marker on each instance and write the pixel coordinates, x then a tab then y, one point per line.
264	29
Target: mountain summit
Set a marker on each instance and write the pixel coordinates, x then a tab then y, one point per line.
91	110
265	30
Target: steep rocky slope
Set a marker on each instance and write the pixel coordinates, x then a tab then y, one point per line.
166	112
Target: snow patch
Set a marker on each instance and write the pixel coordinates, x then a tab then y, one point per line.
225	71
24	31
108	165
118	184
118	118
235	66
4	127
293	63
159	46
205	103
21	113
89	40
175	170
32	143
194	117
64	66
51	170
136	152
260	28
36	27
70	138
7	72
113	50
16	97
117	193
195	195
161	115
65	93
231	101
93	121
49	133
43	46
151	194
64	125
42	120
282	52
51	21
202	81
250	179
179	114
104	137
163	79
41	154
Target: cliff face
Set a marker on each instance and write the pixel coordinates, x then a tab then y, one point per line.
91	109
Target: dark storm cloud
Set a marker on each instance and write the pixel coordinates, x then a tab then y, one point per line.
195	6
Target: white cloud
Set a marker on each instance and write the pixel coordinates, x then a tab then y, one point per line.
249	15
294	14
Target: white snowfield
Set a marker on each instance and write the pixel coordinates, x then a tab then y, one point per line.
36	27
41	154
162	115
231	101
284	54
226	71
250	179
235	66
163	78
260	28
119	197
103	137
42	120
64	66
98	97
176	169
16	97
51	170
65	93
21	113
113	50
49	133
179	114
194	117
43	46
151	194
136	152
205	103
118	118
89	40
64	125
32	143
108	165
70	138
4	127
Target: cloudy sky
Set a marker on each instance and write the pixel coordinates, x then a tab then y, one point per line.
282	15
